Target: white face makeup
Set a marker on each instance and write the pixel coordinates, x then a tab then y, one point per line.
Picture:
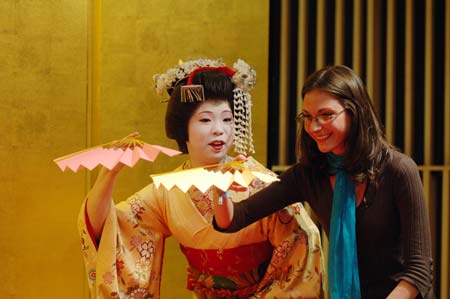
210	133
326	121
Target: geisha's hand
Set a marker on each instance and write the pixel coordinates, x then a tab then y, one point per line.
231	169
241	158
236	187
119	143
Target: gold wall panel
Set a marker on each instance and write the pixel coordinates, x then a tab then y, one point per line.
142	38
42	114
79	73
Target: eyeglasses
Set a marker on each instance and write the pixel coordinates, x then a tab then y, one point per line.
321	119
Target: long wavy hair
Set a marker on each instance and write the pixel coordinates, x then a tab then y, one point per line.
217	86
366	142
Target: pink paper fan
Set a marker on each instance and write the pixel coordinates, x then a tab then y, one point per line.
127	151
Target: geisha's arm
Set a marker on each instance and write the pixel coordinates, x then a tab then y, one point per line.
99	199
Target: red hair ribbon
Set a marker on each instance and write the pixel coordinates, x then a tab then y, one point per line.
224	69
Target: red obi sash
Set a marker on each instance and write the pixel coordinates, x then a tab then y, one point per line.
232	261
227	273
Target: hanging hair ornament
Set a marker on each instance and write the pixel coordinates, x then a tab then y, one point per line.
242	75
243	136
244	78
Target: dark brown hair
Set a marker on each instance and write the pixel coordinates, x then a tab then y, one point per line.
216	85
367	145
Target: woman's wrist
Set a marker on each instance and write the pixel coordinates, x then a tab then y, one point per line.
404	290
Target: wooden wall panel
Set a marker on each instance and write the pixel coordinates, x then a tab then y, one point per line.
399	48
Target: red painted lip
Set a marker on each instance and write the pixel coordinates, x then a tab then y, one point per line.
217	145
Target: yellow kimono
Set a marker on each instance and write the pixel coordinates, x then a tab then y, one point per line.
277	257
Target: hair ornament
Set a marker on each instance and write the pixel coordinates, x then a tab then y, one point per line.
166	82
242	75
243	135
223	69
195	92
192	93
245	76
244	79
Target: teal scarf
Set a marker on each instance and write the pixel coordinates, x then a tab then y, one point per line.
343	272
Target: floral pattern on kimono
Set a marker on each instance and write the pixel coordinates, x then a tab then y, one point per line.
127	262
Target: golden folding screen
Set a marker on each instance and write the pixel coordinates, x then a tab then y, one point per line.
401	49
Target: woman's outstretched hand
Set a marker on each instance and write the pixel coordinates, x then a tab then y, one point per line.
223	209
223	204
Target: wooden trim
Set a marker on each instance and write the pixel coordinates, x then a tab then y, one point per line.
445	226
94	76
301	50
428	101
357	42
447	87
339	32
445	242
390	73
409	79
321	34
284	83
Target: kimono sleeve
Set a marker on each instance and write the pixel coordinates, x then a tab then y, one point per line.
128	259
296	269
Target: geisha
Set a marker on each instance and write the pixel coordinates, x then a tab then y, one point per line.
123	244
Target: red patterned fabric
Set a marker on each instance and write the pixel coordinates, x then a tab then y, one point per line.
223	262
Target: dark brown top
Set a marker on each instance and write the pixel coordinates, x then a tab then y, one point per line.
392	224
